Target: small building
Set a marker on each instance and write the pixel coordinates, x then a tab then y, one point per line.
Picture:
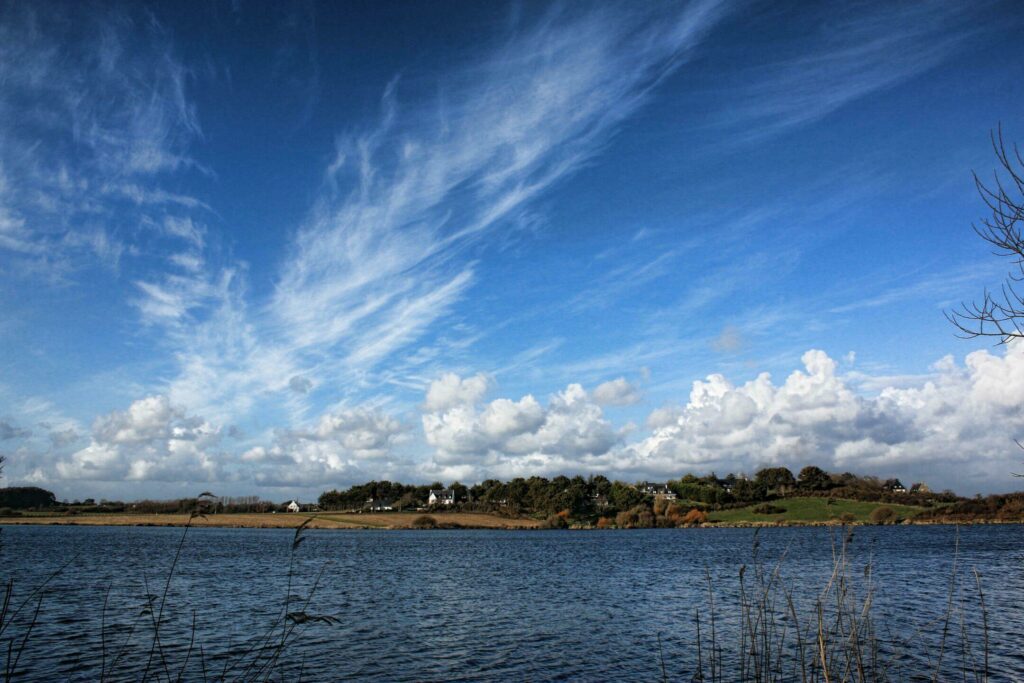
894	486
920	487
293	506
378	505
441	497
657	490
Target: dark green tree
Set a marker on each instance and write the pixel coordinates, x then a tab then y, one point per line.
749	490
21	497
460	491
813	478
623	496
777	479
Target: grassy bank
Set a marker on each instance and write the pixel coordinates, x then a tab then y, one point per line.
812	510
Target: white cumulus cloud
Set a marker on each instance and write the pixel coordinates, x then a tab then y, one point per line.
956	429
151	440
341	447
507	437
617	392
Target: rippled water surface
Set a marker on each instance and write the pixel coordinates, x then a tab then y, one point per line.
476	605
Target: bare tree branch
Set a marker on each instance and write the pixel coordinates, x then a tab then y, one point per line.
1000	315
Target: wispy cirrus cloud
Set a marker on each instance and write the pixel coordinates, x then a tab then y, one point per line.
92	112
375	266
94	120
869	48
388	248
947	284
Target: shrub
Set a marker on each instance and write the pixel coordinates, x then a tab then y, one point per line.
674	516
555	522
769	509
882	515
694	517
605	523
639	517
424	522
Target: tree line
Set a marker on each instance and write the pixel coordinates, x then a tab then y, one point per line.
580	496
597	494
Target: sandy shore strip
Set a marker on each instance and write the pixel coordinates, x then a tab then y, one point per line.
327	520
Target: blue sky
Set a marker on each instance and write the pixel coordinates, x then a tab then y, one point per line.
257	249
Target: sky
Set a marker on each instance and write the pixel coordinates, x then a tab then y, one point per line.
273	249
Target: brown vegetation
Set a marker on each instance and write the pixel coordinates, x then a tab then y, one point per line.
383	520
996	508
695	517
883	515
840	638
555	522
424	522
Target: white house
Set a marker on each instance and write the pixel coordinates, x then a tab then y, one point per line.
379	505
441	497
657	490
293	507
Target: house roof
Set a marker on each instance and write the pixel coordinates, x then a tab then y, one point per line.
442	493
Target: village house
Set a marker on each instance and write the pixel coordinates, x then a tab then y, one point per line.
920	487
894	486
378	505
656	490
441	497
293	506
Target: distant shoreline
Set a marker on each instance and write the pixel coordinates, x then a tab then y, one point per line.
267	520
400	521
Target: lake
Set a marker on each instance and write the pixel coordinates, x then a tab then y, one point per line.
485	605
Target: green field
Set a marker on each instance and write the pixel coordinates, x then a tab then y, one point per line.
811	510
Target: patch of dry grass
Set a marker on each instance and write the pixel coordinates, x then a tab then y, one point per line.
377	520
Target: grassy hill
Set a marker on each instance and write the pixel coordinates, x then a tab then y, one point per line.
811	510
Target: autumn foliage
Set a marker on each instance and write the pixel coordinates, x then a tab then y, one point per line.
662	514
694	517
